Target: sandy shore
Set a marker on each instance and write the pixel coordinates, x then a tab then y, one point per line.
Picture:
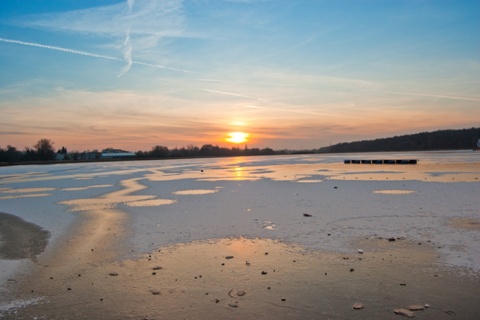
20	239
385	262
253	278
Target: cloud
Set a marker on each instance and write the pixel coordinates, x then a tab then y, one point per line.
142	25
161	18
233	94
44	46
430	95
127	54
89	54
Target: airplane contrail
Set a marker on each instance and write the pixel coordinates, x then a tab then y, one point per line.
127	54
88	54
233	94
432	95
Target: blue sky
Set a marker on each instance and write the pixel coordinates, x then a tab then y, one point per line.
292	74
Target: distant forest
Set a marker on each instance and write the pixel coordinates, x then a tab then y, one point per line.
463	139
44	151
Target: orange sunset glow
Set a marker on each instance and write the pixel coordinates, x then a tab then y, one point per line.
237	137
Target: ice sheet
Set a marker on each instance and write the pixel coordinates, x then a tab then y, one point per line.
175	201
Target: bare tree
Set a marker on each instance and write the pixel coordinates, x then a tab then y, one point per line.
44	150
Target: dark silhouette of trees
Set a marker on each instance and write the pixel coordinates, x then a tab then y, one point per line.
159	152
463	139
10	154
44	150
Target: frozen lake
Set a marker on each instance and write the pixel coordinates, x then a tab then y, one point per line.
314	201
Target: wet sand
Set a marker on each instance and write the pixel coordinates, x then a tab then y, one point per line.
20	239
254	279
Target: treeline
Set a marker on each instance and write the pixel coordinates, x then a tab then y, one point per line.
41	151
463	139
44	150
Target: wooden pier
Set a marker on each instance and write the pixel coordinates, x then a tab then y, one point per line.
387	161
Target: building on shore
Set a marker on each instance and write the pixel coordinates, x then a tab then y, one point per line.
111	153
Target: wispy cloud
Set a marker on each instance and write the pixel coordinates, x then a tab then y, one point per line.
142	25
430	95
89	54
233	94
127	54
44	46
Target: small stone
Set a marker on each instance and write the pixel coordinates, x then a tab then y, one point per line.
358	306
217	301
307	215
69	289
157	268
155	292
233	304
352	269
426	306
113	274
404	312
416	307
241	293
360	251
391	240
229	257
403	284
247	263
264	272
154	273
283	299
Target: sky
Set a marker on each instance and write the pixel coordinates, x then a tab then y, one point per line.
303	74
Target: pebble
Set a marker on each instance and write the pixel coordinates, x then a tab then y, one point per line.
404	312
358	306
233	304
352	269
416	307
241	293
113	274
229	257
360	251
157	268
155	292
264	272
391	239
307	215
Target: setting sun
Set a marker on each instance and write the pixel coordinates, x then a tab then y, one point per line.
237	137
